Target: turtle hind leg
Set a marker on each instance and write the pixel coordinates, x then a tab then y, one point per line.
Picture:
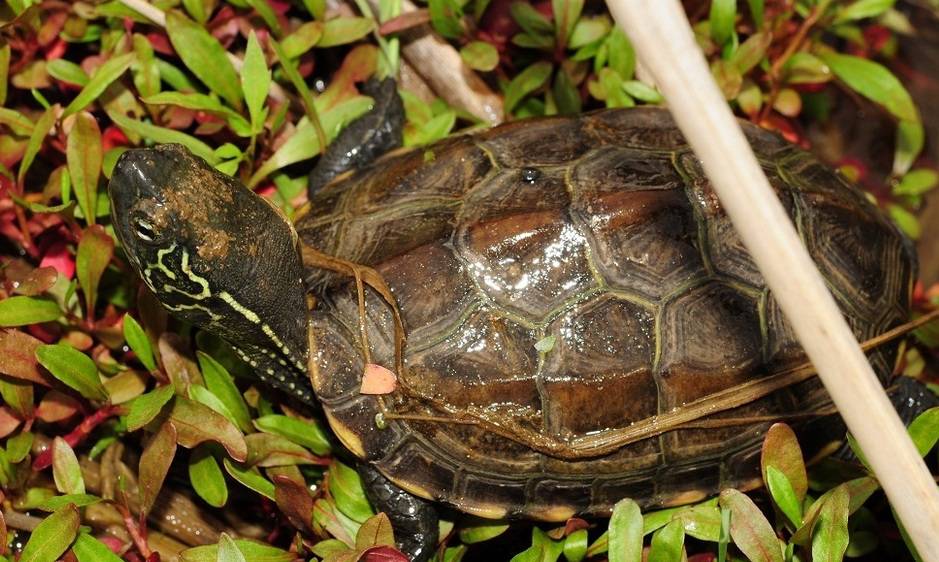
911	398
366	138
414	519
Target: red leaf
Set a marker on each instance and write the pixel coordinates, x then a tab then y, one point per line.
18	357
57	256
382	554
56	406
8	421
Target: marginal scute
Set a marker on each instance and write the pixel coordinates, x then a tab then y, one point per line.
544	142
599	239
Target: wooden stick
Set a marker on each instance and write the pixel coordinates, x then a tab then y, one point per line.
663	39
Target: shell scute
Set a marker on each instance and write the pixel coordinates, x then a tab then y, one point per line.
644	241
589	360
519	246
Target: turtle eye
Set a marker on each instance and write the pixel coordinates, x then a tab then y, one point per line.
144	231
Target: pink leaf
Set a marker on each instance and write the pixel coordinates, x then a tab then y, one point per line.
378	380
57	256
8	421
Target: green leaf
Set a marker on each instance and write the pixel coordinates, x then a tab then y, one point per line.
155	461
19	446
67	71
724	538
910	140
345	485
756	10
41	129
621	52
702	521
90	549
749	528
73	368
566	97
206	477
625	532
255	82
65	469
751	51
147	406
873	81
526	82
482	530
375	531
722	16
299	431
107	73
267	13
924	430
303	144
196	423
566	14
58	502
222	385
642	91
781	451
94	254
5	52
302	39
340	31
254	551
589	30
228	551
806	68
917	182
830	539
728	78
84	156
863	9
906	220
250	478
781	491
204	56
164	135
21	311
139	342
668	543
530	19
198	102
575	546
52	536
480	55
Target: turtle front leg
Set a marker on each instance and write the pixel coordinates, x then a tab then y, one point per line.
414	519
366	138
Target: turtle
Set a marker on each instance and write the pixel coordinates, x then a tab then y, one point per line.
569	314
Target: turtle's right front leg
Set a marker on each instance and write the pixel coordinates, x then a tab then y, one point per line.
414	519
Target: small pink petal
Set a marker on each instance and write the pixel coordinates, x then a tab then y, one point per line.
378	380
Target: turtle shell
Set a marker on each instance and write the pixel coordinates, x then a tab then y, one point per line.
564	281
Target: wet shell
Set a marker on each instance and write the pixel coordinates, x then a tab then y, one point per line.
599	239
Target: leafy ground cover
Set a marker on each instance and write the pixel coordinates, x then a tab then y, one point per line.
126	435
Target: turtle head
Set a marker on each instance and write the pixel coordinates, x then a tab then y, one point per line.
217	255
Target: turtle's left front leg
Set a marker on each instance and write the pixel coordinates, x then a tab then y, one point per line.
414	519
